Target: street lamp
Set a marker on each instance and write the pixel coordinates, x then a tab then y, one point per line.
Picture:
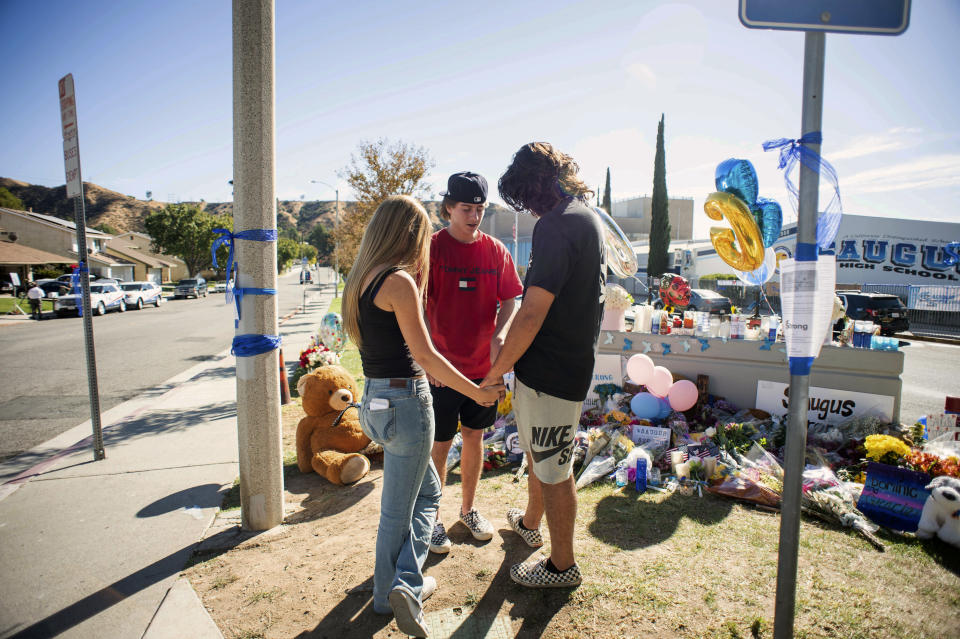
336	245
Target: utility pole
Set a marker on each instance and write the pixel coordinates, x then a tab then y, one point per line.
255	207
336	241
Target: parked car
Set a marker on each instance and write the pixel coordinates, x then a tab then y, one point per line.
702	299
880	308
138	294
54	288
191	287
103	297
220	287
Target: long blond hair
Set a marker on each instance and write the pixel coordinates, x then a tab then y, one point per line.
398	235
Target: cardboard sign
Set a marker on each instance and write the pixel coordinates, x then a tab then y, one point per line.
656	436
826	404
893	497
943	424
607	369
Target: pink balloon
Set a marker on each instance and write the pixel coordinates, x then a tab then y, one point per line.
683	395
660	382
639	369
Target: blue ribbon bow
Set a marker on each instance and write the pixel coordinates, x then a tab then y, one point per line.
233	293
792	150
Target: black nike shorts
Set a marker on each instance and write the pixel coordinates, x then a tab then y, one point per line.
450	407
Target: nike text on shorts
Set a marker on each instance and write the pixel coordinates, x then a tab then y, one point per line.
546	426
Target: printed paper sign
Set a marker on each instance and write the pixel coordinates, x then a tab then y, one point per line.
607	369
806	295
826	404
657	437
893	497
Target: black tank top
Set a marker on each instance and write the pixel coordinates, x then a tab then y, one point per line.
384	352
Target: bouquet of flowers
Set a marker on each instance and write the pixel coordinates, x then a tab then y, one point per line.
313	357
823	496
934	465
886	449
616	298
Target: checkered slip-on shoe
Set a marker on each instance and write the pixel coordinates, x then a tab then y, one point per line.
439	542
408	613
532	537
534	574
480	528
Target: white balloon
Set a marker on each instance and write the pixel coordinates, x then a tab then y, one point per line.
763	272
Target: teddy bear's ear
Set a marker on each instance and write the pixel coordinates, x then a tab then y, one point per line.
301	383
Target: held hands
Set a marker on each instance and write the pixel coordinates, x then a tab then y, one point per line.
495	381
488	395
434	381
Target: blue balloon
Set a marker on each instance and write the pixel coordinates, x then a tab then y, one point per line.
769	218
664	408
645	406
739	178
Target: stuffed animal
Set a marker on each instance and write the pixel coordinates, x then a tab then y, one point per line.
941	511
330	441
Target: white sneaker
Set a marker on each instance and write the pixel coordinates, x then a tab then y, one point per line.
439	542
429	587
408	613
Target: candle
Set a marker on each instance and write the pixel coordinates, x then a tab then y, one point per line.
709	466
683	470
676	457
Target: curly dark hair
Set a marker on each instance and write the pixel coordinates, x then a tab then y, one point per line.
539	177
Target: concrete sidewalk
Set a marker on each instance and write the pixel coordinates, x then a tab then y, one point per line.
94	549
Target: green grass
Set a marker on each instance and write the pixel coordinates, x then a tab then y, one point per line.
7	304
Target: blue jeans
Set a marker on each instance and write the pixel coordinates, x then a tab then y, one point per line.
411	486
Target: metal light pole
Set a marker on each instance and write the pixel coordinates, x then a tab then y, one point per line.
336	241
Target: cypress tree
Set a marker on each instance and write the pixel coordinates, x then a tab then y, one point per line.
660	218
607	205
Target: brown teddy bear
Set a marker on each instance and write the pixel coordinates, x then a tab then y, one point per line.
332	448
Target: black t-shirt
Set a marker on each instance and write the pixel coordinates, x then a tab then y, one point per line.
567	258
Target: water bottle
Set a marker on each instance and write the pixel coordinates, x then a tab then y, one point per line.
857	334
655	322
772	327
621	475
641	478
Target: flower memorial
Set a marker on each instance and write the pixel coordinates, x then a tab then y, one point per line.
313	357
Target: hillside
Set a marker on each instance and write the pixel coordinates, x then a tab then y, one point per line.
125	213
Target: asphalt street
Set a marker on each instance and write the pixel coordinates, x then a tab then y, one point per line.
44	383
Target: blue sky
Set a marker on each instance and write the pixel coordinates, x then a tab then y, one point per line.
471	84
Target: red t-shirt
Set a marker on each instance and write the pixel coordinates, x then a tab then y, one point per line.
466	282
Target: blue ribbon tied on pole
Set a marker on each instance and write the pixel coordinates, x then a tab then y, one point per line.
234	293
828	222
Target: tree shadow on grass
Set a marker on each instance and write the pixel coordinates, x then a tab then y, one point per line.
628	521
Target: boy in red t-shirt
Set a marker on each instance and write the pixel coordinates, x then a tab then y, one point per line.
470	302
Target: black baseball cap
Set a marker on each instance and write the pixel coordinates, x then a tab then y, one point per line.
467	187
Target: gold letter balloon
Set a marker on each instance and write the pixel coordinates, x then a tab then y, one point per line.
744	232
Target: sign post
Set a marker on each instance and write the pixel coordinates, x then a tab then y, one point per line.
816	17
71	159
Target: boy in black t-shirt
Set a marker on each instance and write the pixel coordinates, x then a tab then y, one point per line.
552	345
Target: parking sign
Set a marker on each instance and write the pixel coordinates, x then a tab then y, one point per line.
71	143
